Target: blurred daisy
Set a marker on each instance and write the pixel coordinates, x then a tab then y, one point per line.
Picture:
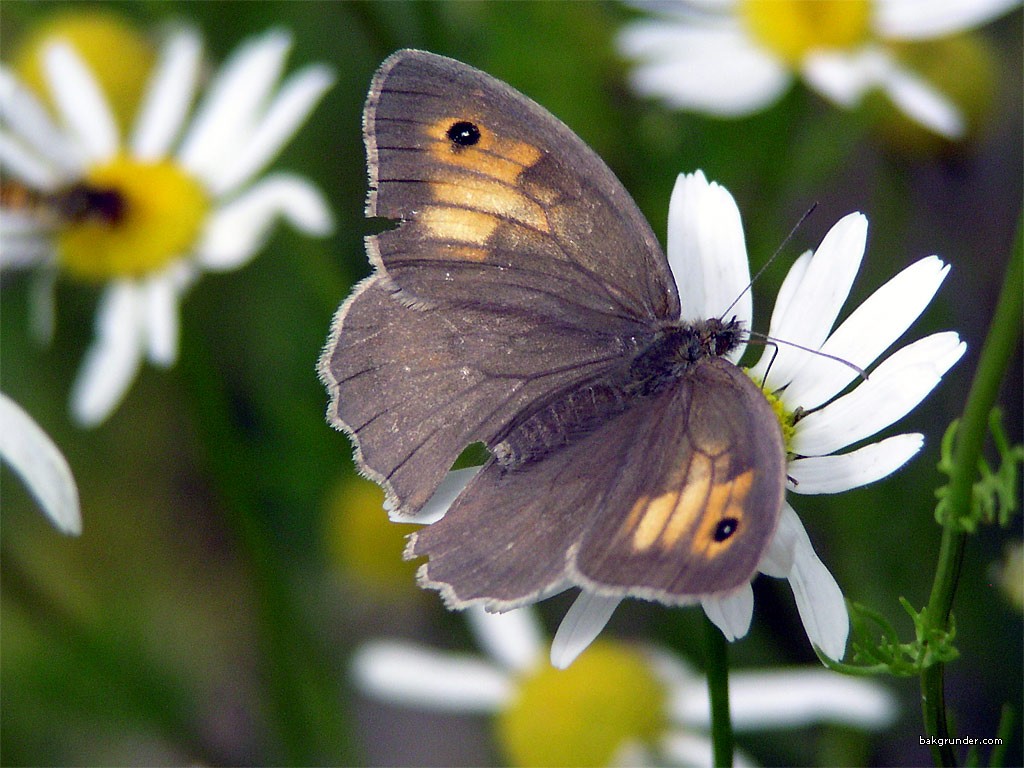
1009	574
147	216
734	57
38	461
708	257
617	705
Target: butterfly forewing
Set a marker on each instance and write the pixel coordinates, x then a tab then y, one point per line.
414	387
502	204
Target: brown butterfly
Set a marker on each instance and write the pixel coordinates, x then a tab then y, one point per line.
524	303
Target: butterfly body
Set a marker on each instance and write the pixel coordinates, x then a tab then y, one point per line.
660	359
523	302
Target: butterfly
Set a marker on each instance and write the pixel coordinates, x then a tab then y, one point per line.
522	301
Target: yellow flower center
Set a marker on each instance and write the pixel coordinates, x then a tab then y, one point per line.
792	28
119	57
365	544
584	715
128	218
785	417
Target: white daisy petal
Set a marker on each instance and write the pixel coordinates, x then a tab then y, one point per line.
919	101
113	358
707	251
923	19
892	390
711	68
26	166
228	110
816	302
80	101
236	231
513	638
819	601
40	464
168	97
818	598
841	472
30	122
581	624
788	292
436	508
791	698
290	108
731	614
800	697
20	224
777	561
692	749
685	748
160	320
20	252
413	676
845	76
868	332
680	678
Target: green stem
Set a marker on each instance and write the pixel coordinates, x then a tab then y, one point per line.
996	354
716	663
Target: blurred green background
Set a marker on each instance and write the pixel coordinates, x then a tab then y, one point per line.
207	612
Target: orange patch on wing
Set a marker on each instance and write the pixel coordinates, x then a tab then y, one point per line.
458	224
726	501
649	518
693	499
493	197
500	158
465	253
692	512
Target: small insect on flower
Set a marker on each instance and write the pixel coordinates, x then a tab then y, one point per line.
145	216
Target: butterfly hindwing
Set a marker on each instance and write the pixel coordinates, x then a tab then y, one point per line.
700	502
668	501
501	204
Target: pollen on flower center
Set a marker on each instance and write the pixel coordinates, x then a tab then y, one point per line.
786	417
128	218
586	714
793	28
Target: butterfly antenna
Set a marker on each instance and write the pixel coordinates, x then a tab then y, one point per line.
772	258
769	340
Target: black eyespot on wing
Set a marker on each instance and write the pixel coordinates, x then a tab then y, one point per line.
726	528
464	133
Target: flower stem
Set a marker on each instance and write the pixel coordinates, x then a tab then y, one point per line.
996	354
716	664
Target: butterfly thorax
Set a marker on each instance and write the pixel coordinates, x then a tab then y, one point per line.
658	359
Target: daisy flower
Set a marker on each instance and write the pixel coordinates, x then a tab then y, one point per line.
38	461
821	414
619	704
146	216
730	58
